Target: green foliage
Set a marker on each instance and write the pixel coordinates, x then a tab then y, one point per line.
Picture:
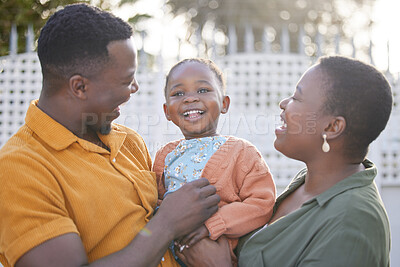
23	13
133	20
36	12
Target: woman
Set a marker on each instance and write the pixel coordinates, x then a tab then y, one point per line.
331	214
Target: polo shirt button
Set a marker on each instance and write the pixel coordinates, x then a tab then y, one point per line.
114	160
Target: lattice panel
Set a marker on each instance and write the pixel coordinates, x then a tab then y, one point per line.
20	82
386	152
396	97
257	82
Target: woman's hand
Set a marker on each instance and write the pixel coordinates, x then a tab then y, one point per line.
207	252
194	237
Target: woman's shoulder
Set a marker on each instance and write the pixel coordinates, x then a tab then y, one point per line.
361	204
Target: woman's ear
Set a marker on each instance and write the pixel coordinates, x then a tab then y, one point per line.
77	86
225	104
166	112
335	127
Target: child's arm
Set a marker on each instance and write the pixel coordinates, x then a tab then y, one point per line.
257	194
158	168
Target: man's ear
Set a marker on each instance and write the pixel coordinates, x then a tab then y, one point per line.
225	104
166	112
336	127
77	86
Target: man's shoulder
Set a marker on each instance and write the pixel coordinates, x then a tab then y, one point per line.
22	153
19	143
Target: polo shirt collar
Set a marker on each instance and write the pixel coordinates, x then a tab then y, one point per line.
114	140
47	129
58	137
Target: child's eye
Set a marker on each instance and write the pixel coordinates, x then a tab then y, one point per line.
179	93
202	90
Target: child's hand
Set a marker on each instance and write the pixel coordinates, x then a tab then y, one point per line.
194	237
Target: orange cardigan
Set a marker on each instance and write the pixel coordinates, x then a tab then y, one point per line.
243	182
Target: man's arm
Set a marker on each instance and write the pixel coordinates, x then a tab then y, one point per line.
179	214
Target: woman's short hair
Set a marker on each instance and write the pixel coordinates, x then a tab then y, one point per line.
362	95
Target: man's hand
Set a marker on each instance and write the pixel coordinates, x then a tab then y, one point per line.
186	209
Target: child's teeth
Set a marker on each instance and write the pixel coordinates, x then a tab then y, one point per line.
192	112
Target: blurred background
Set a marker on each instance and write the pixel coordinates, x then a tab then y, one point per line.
263	47
182	28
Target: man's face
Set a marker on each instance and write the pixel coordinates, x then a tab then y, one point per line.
111	87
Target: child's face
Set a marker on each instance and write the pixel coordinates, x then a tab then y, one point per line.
194	100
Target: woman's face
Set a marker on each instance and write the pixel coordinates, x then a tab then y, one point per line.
303	121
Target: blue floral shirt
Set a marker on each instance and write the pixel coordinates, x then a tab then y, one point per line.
186	162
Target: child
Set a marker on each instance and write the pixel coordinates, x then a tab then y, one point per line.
195	97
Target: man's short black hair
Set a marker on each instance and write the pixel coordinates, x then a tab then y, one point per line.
362	95
74	40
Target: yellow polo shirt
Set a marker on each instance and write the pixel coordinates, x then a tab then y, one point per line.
53	183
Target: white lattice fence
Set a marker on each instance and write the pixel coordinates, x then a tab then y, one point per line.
20	82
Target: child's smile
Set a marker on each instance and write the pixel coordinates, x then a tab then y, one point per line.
193	114
194	100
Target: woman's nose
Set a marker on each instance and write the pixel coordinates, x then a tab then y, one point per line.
283	103
134	87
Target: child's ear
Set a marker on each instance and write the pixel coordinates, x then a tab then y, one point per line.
166	112
225	104
78	86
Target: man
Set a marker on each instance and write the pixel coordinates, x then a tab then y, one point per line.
77	189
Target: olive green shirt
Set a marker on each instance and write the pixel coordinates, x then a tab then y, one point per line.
346	225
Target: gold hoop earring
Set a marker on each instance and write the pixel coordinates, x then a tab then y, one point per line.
325	145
